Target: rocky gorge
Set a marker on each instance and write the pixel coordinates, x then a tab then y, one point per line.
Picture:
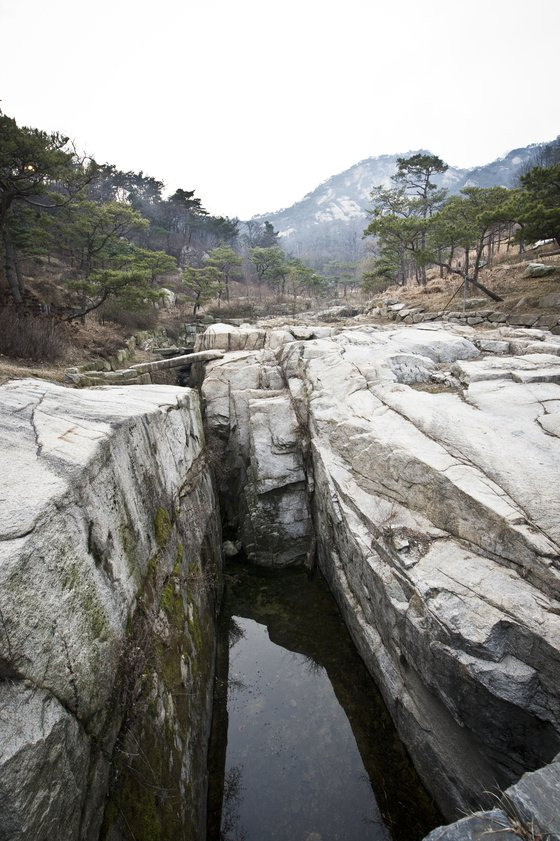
416	465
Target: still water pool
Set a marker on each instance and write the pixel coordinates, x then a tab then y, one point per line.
303	747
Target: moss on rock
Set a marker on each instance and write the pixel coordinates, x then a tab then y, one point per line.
162	527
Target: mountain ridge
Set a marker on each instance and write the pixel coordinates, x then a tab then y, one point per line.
327	223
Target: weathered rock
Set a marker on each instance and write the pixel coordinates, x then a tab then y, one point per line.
526	319
307	332
552	300
265	484
551	422
475	303
436	513
44	763
477	827
538	270
548	321
492	345
529	809
276	519
231	549
107	504
173	362
338	312
230	338
534	367
535	800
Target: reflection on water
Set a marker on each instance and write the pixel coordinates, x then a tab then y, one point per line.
310	753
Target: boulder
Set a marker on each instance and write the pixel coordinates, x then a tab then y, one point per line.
539	270
229	338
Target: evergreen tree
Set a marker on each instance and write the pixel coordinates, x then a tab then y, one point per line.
202	285
538	204
38	170
227	262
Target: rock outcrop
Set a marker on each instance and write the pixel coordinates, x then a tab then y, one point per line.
109	557
425	462
528	809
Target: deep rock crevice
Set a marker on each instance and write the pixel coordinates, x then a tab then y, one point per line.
438	540
432	514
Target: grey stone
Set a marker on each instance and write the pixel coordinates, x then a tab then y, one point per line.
493	345
526	319
173	362
548	321
539	270
433	527
474	303
529	809
231	549
101	489
481	826
552	300
44	756
535	799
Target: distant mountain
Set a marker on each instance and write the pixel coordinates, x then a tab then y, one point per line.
328	223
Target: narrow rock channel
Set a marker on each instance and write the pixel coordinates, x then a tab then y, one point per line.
303	746
416	472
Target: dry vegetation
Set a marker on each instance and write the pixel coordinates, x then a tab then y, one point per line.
35	346
505	278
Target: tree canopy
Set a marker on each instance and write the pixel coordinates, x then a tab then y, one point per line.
416	225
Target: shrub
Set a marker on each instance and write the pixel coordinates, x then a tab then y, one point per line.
25	336
144	318
233	309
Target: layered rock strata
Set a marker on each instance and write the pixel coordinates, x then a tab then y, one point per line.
109	557
425	461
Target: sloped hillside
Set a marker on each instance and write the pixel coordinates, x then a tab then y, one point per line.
328	223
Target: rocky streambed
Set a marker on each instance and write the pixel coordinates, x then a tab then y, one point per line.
416	466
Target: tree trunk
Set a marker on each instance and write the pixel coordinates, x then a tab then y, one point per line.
485	289
466	278
10	269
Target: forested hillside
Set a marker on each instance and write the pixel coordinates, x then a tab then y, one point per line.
84	238
327	225
416	224
86	244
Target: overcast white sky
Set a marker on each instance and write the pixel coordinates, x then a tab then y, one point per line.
253	103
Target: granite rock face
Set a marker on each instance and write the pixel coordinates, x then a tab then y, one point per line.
108	526
259	437
528	809
429	461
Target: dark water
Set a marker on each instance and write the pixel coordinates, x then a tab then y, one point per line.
303	747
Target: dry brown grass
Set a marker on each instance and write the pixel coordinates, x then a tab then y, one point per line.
27	336
12	370
504	278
